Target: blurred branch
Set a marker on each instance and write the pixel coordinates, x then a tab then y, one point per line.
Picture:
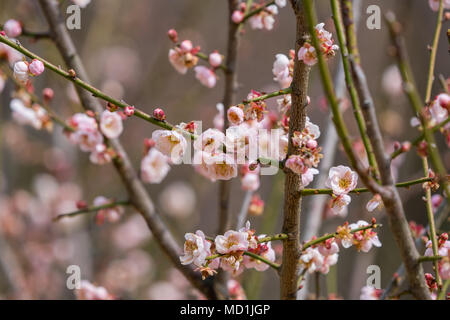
92	209
139	197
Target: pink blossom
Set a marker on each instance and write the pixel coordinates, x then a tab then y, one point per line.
365	239
296	164
86	133
196	249
265	19
374	203
111	124
281	70
100	154
12	28
438	110
250	182
36	67
21	71
434	4
339	205
111	214
235	115
307	54
215	59
206	76
436	200
237	16
370	293
27	116
342	180
222	167
211	141
311	259
232	241
177	61
170	143
264	250
308	176
88	291
129	111
154	167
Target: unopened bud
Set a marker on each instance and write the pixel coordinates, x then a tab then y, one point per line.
129	111
48	94
159	114
173	35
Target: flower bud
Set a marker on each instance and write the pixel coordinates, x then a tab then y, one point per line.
173	35
311	144
237	16
129	111
215	59
12	28
186	46
48	94
159	114
406	146
21	71
36	67
81	204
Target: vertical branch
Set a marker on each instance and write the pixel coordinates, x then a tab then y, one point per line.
391	199
228	100
293	181
137	193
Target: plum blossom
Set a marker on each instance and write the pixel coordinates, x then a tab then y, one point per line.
235	115
183	56
308	176
250	182
88	291
264	250
206	76
35	116
434	4
196	249
101	154
339	205
307	53
439	108
154	167
21	71
86	134
36	67
341	180
232	241
296	164
12	28
215	59
364	239
111	124
282	70
111	214
374	203
170	143
264	19
370	293
311	259
237	16
210	141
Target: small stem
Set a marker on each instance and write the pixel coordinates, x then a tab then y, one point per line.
250	254
406	184
269	95
92	209
332	235
429	258
36	35
280	236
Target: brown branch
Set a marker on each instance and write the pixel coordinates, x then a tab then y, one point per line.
137	193
293	181
391	199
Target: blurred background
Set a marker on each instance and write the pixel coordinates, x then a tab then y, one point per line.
124	46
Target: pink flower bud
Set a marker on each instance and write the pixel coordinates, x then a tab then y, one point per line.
48	94
2	33
129	111
159	114
406	146
397	145
237	16
36	67
12	28
173	35
311	144
81	204
215	59
186	46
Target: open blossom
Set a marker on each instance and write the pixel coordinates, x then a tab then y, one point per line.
308	176
111	214
88	291
196	249
211	141
307	53
206	76
35	116
170	143
232	241
264	250
21	71
101	154
339	205
434	4
311	259
282	70
222	167
154	167
370	293
296	164
111	124
235	115
264	19
364	239
342	180
86	134
183	57
12	28
439	108
36	67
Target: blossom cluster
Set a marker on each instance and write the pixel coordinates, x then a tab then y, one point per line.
307	53
184	56
26	112
283	69
111	214
320	257
443	251
226	251
23	70
263	19
88	134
